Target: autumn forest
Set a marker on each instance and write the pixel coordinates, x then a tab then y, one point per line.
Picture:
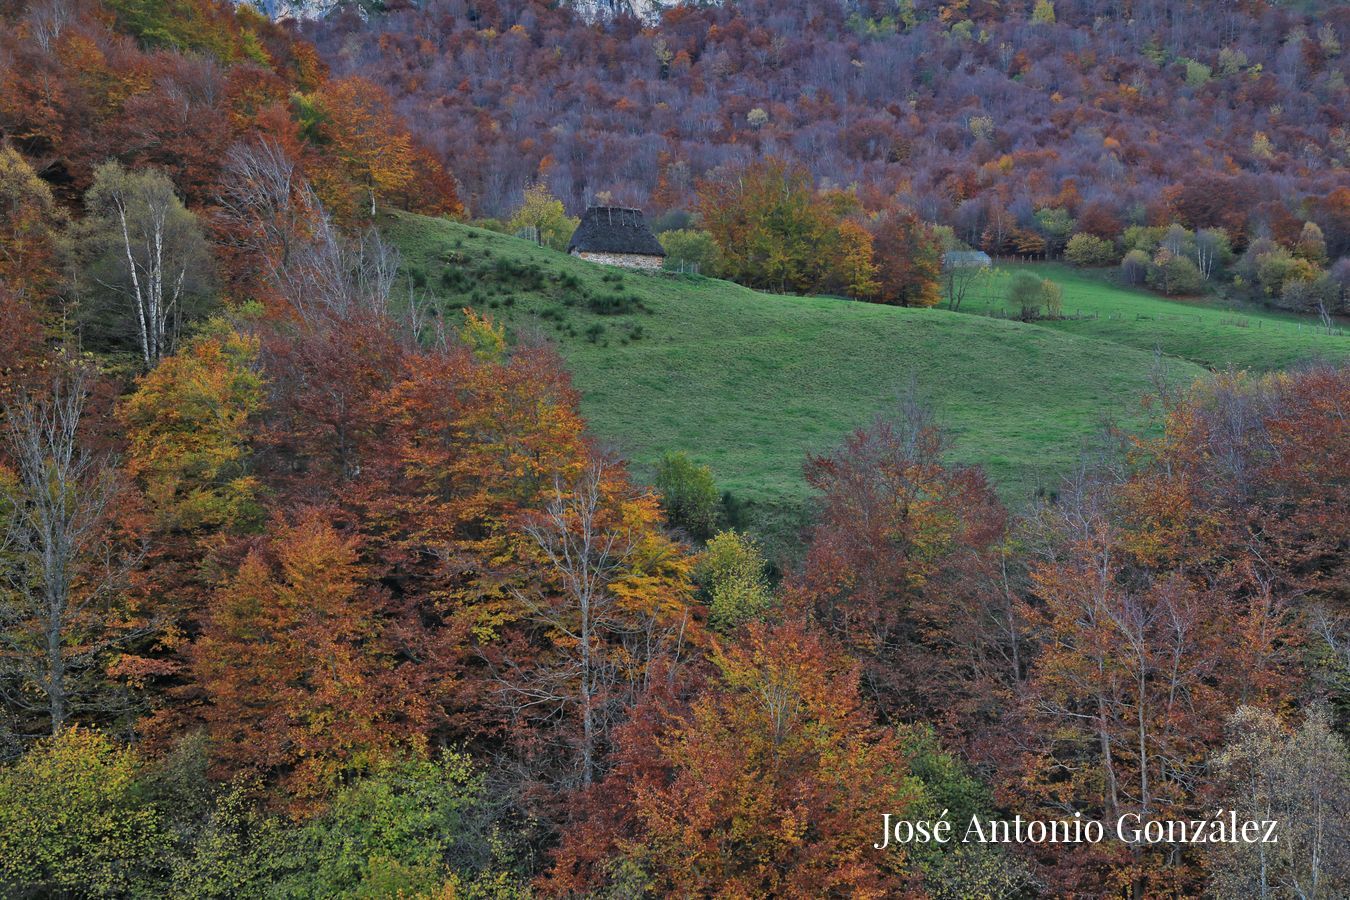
318	577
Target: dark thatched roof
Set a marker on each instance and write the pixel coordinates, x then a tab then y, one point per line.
613	229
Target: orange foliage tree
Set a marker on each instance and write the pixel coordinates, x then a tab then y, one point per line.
188	426
189	450
772	783
462	467
771	226
1128	693
909	259
21	343
297	664
29	223
374	152
611	607
855	269
1164	598
903	568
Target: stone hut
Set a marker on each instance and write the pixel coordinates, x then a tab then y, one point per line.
616	236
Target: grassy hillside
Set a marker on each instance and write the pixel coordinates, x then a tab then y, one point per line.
1203	331
749	383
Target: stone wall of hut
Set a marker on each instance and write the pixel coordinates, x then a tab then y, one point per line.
627	260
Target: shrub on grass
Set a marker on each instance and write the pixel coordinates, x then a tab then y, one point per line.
1026	295
1053	298
1034	297
689	495
454	280
496	225
615	304
1309	296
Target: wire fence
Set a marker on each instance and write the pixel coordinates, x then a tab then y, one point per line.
682	267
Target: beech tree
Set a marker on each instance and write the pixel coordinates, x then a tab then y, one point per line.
959	281
353	114
414	829
265	203
900	566
64	564
618	595
188	425
297	667
771	228
1024	294
1084	249
732	572
74	819
21	344
856	269
689	495
1298	778
766	785
908	255
274	217
1168	592
689	249
190	450
1173	274
1311	245
544	216
1125	684
30	223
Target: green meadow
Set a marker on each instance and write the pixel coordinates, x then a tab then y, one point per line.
750	383
1206	331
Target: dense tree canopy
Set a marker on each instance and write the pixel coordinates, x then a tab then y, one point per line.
968	112
310	587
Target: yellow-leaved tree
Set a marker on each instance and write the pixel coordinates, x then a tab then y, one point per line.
544	213
188	425
375	151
